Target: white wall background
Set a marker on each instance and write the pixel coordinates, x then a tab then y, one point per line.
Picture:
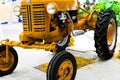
6	11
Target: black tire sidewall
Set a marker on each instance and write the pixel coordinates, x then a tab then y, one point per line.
103	22
55	63
12	50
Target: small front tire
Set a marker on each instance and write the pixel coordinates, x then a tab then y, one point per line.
7	67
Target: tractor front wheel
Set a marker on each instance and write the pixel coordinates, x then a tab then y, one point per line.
62	67
7	66
106	34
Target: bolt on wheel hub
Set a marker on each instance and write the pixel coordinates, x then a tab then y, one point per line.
4	65
65	70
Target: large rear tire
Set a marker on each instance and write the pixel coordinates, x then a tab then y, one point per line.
7	67
62	67
106	34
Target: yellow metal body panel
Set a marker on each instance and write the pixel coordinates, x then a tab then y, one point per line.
36	27
41	30
37	24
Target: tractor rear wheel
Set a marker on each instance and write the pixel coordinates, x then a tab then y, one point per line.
62	67
7	67
106	34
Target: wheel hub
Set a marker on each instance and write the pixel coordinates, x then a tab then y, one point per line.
65	70
111	33
6	65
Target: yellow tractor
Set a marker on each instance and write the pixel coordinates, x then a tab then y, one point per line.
49	24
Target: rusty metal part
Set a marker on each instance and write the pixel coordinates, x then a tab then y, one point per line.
6	62
37	45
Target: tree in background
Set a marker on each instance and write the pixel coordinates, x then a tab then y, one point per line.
109	5
3	2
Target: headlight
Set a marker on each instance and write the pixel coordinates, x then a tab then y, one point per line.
16	10
51	8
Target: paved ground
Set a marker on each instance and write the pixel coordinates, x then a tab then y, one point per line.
28	59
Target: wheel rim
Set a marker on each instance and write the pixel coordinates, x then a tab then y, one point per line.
111	34
5	66
65	70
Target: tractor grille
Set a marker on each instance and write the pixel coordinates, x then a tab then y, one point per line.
34	19
24	14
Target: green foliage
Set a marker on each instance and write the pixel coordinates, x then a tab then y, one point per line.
114	5
80	12
87	2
